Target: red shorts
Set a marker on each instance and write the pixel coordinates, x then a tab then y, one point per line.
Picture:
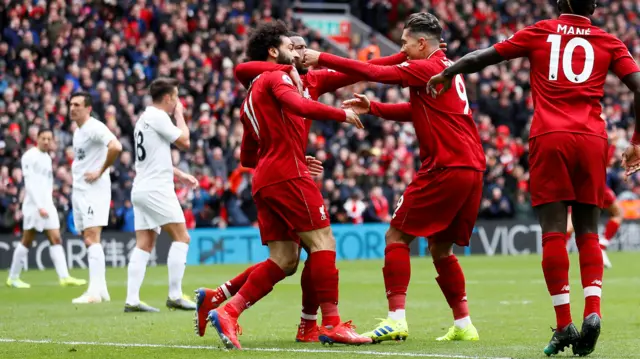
609	197
289	207
568	166
441	205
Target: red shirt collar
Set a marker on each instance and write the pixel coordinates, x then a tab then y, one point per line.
575	19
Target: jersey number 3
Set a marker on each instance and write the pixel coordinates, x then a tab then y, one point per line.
567	59
141	153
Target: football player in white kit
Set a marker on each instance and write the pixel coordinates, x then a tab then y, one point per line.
155	204
95	149
40	213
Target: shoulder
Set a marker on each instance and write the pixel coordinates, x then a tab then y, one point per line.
275	77
28	154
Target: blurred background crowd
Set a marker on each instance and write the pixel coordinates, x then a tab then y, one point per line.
113	49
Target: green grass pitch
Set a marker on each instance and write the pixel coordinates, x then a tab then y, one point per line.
509	305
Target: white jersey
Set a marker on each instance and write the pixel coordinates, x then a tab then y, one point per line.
38	180
90	147
153	135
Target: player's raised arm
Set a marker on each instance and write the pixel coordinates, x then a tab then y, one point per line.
362	70
183	142
288	96
329	80
511	48
360	104
248	71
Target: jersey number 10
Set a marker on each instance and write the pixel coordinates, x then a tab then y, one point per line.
567	59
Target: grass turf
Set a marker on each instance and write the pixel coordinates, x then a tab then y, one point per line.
508	300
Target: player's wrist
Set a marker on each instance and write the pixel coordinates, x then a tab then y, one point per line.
448	73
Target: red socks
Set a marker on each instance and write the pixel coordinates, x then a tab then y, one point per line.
232	287
310	303
591	271
611	229
396	273
258	284
451	281
324	276
555	266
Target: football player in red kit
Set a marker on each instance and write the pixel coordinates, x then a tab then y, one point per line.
442	202
290	206
315	83
570	59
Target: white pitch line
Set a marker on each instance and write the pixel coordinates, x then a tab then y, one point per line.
285	350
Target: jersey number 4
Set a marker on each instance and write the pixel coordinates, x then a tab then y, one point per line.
141	153
567	59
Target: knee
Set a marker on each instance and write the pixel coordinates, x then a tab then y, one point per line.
183	238
395	236
324	241
287	263
91	238
55	240
440	251
144	245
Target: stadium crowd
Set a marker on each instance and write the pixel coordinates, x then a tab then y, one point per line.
50	49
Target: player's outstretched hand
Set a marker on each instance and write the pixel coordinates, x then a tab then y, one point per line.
314	165
188	180
91	177
311	57
43	213
443	45
631	160
360	104
437	80
352	118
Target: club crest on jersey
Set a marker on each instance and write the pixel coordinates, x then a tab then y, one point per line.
80	154
287	79
323	215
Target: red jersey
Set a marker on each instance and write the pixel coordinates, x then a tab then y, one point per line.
272	116
315	82
570	59
446	131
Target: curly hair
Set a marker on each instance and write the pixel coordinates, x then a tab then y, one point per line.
423	22
264	37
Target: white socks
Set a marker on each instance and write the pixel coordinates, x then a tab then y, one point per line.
97	278
176	264
462	323
398	314
19	258
59	261
137	268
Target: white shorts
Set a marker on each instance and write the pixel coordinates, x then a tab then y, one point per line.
90	208
153	209
32	219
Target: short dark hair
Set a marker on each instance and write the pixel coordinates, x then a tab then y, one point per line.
293	34
264	37
423	22
578	7
88	100
162	86
44	130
